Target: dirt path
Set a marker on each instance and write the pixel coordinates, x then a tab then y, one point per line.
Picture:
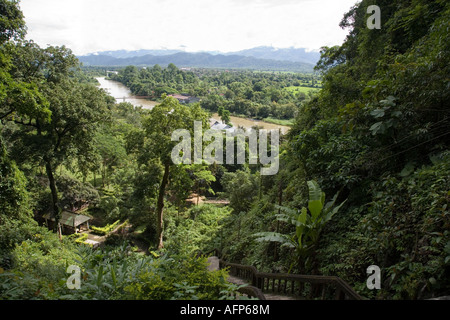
194	200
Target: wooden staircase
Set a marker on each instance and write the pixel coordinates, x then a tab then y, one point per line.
283	286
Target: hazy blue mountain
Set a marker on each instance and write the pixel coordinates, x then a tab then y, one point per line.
284	54
136	53
263	52
200	60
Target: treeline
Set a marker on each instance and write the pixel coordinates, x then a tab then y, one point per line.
156	81
377	137
253	94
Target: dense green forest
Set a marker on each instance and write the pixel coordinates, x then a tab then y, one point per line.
248	93
364	174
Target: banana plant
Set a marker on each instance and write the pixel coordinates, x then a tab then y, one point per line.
308	222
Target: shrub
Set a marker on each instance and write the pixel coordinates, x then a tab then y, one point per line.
200	229
82	238
404	231
35	261
178	277
106	229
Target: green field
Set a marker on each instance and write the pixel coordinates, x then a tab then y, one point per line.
305	90
281	122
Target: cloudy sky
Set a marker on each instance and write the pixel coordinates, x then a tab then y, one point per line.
88	26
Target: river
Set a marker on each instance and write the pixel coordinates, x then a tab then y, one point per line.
123	94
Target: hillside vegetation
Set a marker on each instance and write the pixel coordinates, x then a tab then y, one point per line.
364	172
377	136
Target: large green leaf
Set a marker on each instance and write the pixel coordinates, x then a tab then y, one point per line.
330	203
315	207
316	199
315	193
286	214
332	211
299	230
274	237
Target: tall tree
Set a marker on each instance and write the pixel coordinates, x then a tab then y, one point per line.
163	120
17	98
76	109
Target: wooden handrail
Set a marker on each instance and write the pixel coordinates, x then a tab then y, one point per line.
252	291
248	290
302	286
311	286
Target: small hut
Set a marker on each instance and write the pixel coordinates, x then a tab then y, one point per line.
70	222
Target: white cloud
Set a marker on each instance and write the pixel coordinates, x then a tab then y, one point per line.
223	25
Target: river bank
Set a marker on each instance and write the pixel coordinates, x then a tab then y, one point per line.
122	94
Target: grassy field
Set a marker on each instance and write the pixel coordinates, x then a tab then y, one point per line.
305	90
279	121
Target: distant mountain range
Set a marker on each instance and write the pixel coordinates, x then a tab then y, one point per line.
261	58
282	54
